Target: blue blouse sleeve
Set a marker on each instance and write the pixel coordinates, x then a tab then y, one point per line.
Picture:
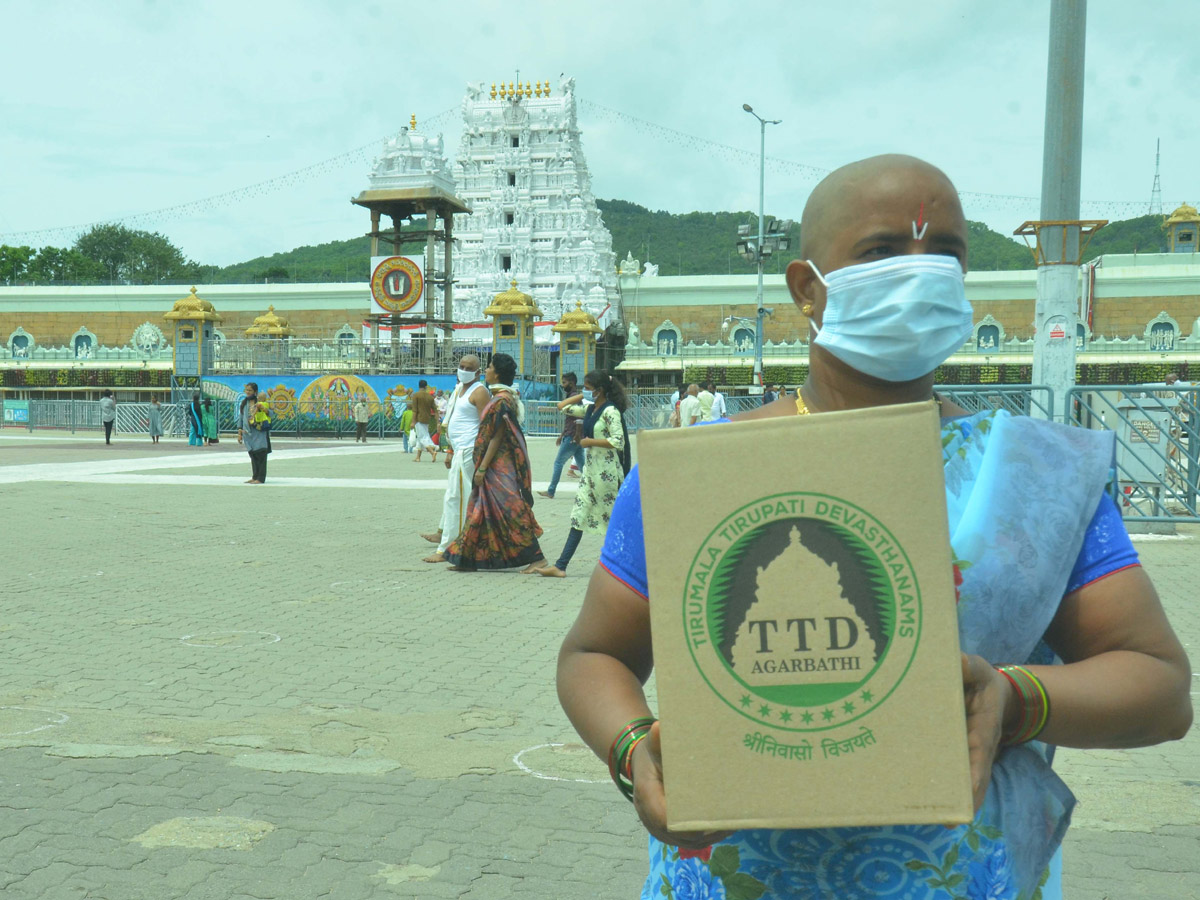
624	551
1106	547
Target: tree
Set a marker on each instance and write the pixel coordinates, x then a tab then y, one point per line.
129	256
14	263
64	266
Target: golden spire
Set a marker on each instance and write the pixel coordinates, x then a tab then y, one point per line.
547	90
528	90
412	122
511	92
537	91
493	90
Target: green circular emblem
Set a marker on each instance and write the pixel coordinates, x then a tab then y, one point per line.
802	612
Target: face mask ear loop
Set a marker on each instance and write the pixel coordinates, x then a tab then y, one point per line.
821	278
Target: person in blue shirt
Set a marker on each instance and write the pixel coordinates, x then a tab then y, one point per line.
1065	641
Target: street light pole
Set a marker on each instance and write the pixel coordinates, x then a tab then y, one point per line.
758	250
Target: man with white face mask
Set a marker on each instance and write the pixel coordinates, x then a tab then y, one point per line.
462	426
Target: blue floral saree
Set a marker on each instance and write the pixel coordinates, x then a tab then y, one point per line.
1021	494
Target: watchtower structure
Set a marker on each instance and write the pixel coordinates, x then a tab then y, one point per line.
271	335
1183	230
577	332
410	184
192	359
513	316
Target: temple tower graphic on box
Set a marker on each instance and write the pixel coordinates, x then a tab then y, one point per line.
521	169
192	318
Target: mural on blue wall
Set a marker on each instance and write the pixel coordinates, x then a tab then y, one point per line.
328	396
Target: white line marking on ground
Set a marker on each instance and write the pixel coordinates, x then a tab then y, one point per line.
61	718
187	638
128	470
528	771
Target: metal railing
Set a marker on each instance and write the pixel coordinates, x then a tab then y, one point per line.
299	356
1156	472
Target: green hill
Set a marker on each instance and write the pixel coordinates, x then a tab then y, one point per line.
700	243
1144	234
694	243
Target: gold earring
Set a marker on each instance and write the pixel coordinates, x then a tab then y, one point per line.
806	309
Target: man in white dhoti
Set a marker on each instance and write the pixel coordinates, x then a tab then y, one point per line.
462	426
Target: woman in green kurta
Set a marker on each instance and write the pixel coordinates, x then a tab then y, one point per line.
607	461
209	416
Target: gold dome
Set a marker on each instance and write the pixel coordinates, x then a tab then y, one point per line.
578	320
513	303
1185	213
270	325
193	308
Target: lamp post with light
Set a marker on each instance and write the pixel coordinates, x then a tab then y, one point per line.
766	244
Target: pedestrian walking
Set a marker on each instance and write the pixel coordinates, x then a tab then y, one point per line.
568	440
208	415
500	531
407	437
424	420
463	412
195	413
362	416
689	407
606	443
156	426
108	413
719	409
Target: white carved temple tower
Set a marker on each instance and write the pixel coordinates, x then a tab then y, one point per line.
521	169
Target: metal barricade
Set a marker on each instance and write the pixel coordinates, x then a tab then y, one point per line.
1018	399
1157	464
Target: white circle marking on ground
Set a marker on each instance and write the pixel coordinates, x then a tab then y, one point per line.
188	638
528	771
60	719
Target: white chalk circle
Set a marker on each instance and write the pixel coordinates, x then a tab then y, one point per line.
574	756
234	639
29	718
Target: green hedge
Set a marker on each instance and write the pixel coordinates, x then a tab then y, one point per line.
51	378
1002	373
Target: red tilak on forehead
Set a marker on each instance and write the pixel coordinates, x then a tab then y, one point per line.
920	225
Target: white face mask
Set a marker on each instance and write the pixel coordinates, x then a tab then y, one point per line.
895	319
466	377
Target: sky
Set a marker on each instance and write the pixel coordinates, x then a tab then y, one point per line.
272	112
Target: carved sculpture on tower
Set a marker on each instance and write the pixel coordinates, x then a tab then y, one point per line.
521	168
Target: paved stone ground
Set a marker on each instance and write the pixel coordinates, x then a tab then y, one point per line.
209	690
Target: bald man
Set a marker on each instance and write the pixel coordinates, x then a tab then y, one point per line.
885	243
689	407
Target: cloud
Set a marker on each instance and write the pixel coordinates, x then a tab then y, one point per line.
127	108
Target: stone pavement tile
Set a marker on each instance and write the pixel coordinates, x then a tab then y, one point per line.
377	735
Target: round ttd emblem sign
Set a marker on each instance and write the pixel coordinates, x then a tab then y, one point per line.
802	612
397	283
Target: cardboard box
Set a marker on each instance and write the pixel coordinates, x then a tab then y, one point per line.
803	614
